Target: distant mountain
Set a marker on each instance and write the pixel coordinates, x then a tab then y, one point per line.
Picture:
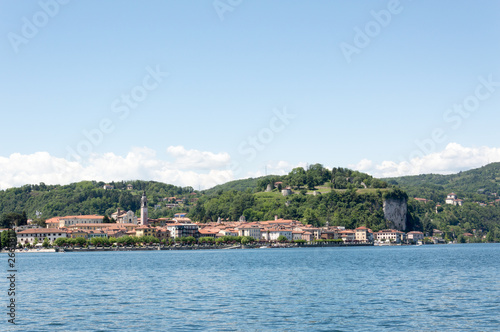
480	184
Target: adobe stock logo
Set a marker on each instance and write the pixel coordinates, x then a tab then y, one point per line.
373	28
223	6
31	27
252	145
453	116
122	106
265	136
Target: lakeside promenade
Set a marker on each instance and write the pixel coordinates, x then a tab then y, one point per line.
194	247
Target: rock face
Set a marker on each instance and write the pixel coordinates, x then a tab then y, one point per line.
395	213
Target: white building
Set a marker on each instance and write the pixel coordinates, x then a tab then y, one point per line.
29	235
249	230
390	235
123	217
58	222
183	230
415	236
229	232
297	235
453	200
272	234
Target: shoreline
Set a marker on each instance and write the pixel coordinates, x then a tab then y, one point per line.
229	247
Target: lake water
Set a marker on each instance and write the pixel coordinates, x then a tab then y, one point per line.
426	288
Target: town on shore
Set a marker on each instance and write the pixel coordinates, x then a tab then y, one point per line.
130	230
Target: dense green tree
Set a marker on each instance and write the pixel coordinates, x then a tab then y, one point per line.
4	239
490	237
8	220
60	242
106	220
297	177
80	241
282	239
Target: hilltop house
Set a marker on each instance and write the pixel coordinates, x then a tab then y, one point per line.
453	199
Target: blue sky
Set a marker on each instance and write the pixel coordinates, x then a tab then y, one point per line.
366	85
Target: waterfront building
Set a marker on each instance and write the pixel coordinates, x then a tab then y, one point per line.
363	234
229	232
208	232
145	230
390	235
308	236
330	234
74	233
183	230
272	234
96	233
297	235
348	235
250	229
29	235
415	236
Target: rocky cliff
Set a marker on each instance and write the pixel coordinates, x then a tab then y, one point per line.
395	210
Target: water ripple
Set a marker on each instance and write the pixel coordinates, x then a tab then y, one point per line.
428	288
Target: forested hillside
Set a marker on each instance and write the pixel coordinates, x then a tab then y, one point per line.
337	207
87	197
238	185
317	196
481	184
478	188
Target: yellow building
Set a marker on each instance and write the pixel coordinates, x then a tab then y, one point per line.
77	233
68	221
145	231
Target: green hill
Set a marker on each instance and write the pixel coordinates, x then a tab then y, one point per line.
481	184
238	185
89	197
336	196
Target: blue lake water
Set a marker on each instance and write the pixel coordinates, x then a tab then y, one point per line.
426	288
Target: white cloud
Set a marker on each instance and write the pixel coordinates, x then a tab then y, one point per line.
452	159
196	159
363	166
280	167
190	168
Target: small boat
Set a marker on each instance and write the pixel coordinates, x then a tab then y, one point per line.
263	247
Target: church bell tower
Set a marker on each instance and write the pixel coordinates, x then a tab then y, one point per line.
144	209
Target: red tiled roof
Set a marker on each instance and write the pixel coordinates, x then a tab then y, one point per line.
42	230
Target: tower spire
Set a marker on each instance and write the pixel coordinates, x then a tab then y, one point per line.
144	209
